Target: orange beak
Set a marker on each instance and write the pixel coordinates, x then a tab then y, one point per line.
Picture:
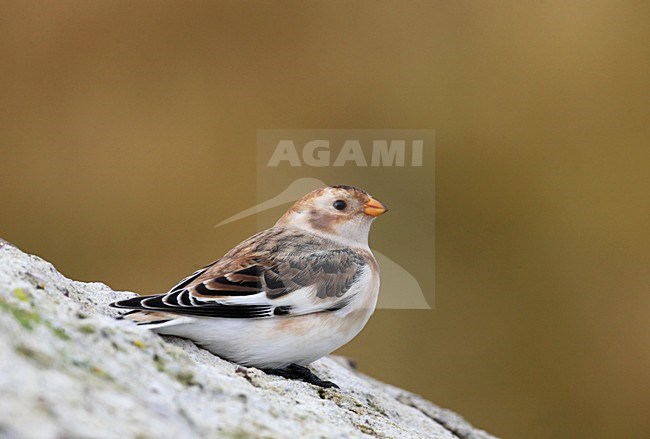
374	208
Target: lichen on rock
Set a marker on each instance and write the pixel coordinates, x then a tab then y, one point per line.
68	368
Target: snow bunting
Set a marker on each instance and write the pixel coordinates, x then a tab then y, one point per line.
284	297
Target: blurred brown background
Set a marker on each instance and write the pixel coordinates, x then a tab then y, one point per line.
127	130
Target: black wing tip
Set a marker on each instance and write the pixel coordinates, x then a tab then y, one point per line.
133	303
119	304
156	303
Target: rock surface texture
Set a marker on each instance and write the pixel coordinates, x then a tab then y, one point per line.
69	369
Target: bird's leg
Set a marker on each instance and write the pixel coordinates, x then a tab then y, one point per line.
296	372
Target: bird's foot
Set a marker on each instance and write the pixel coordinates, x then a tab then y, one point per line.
296	372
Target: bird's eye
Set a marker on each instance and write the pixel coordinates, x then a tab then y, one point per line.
339	205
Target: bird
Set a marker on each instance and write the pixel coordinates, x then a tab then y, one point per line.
284	297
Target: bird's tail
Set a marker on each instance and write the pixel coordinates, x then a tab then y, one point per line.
148	318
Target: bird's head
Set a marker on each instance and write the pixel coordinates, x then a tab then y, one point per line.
341	213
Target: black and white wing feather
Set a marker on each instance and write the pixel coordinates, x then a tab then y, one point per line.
277	272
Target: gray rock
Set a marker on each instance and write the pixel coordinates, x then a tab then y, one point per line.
69	369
